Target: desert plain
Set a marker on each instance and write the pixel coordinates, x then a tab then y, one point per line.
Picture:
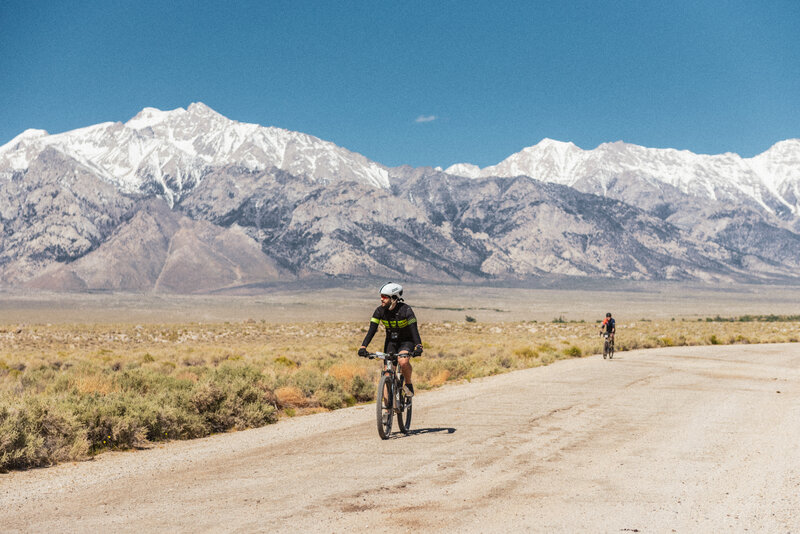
586	300
518	426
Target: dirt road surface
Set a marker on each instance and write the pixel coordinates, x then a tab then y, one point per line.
690	439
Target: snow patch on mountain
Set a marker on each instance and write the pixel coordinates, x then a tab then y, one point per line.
467	170
30	133
771	179
167	151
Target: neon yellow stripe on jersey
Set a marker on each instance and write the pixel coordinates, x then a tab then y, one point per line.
397	324
374	320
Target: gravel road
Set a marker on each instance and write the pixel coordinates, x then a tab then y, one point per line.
689	439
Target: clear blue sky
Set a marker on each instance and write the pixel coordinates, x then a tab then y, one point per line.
423	83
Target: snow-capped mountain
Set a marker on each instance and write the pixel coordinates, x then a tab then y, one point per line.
169	152
770	181
190	201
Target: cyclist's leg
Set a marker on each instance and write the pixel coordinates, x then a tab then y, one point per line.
404	362
389	347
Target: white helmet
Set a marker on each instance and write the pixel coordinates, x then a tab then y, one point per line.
392	289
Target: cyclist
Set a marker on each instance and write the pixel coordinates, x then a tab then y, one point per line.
402	335
609	325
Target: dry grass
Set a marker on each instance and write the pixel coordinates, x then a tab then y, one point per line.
346	372
439	378
291	397
69	391
94	384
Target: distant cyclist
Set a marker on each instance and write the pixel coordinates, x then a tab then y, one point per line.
609	326
402	335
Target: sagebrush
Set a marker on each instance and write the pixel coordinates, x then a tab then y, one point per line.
70	391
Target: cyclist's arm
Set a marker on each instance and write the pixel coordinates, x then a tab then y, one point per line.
415	334
412	328
373	328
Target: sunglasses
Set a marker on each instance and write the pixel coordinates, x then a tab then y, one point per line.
385	297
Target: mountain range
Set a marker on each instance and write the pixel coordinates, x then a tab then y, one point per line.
769	182
189	201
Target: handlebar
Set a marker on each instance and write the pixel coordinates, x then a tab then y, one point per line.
388	356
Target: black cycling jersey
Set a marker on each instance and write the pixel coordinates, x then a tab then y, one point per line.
400	324
609	324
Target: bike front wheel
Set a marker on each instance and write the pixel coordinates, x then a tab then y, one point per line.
384	406
605	350
403	409
610	350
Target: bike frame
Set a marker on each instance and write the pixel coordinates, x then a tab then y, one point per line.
608	342
390	366
396	405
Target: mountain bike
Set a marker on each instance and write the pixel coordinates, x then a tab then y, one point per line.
391	396
608	346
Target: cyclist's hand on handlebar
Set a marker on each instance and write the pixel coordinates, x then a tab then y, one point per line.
363	352
417	351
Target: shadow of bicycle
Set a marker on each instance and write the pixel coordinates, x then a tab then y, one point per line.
420	431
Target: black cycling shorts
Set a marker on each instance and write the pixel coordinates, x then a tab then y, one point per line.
398	346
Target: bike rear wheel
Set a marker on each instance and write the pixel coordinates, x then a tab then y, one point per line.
403	408
384	405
